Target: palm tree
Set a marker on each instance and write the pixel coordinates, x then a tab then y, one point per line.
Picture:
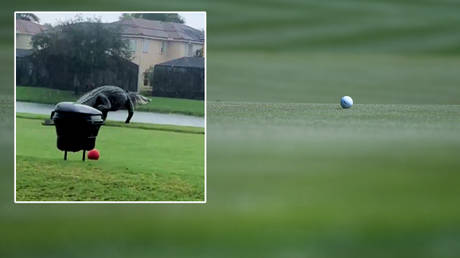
28	17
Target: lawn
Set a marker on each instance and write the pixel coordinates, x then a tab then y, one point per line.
137	164
158	104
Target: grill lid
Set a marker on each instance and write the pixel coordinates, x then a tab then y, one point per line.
69	107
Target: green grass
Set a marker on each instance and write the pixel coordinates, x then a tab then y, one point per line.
158	104
43	95
170	128
288	177
325	77
135	165
172	105
374	179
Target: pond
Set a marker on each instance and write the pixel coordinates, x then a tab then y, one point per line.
121	115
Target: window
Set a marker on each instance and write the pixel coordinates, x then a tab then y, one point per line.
164	47
145	47
132	45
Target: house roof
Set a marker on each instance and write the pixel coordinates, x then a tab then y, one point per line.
195	62
160	29
28	27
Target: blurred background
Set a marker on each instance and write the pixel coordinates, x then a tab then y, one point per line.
287	178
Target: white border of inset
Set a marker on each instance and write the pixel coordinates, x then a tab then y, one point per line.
205	111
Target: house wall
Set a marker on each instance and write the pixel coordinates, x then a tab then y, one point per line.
178	48
147	53
23	41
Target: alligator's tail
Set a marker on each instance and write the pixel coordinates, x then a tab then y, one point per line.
139	99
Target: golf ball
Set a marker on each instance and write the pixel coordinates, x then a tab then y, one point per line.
346	102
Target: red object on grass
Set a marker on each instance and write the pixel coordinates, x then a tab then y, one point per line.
93	154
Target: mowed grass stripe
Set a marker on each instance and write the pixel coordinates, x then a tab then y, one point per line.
331	23
347	35
325	77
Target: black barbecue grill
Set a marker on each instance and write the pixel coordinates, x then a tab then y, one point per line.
76	127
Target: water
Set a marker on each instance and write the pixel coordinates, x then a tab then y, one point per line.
121	115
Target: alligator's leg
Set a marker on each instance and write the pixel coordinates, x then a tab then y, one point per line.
130	107
103	104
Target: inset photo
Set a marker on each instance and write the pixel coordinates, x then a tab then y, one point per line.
110	107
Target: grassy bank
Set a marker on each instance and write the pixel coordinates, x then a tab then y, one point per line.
136	165
158	127
158	104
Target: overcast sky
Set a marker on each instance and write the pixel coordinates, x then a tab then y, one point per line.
193	19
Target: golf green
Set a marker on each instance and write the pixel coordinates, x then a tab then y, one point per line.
375	158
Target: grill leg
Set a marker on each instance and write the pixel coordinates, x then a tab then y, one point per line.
84	151
65	155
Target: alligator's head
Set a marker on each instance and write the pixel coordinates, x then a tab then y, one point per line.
138	99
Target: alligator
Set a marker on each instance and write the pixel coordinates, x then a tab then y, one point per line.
111	98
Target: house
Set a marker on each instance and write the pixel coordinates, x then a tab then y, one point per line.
57	71
151	42
179	78
154	42
24	32
24	67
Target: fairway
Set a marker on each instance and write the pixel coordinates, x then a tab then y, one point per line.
136	165
410	151
307	77
386	175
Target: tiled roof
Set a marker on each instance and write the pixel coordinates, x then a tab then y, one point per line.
159	29
28	27
196	62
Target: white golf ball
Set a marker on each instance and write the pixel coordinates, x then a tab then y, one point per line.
346	102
